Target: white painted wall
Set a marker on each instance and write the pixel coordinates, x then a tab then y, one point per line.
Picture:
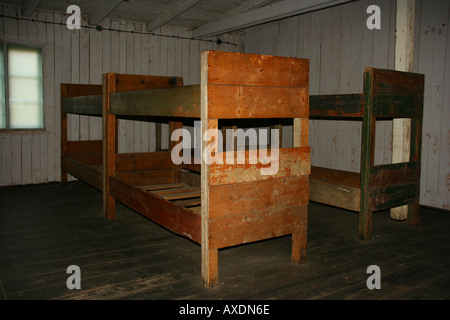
340	46
81	56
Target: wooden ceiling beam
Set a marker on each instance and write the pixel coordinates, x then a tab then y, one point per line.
103	11
174	11
276	11
29	6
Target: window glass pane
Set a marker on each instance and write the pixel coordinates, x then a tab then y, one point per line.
2	89
25	87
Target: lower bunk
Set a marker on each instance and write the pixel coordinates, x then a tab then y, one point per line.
239	212
388	186
84	161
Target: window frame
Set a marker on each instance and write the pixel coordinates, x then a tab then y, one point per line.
8	129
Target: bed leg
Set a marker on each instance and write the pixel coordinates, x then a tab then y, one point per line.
413	214
210	267
365	224
64	178
299	247
109	205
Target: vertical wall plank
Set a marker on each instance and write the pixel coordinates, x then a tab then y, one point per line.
95	77
84	78
137	58
443	197
72	119
5	160
36	33
433	52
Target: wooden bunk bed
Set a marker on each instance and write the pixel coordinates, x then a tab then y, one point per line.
84	159
217	205
81	159
387	94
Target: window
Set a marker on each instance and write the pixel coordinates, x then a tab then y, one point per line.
21	98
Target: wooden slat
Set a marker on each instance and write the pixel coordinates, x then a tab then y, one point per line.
196	209
335	187
393	196
347	178
136	82
233	230
398	105
175	102
182	195
189	202
90	146
395	174
88	158
143	178
175	218
341	196
78	90
341	105
290	162
228	68
393	81
86	173
143	161
255	196
88	105
233	102
165	192
160	186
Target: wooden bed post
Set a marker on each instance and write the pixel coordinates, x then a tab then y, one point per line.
210	272
367	158
64	177
300	139
415	155
109	144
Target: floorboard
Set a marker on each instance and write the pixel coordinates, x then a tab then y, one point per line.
46	228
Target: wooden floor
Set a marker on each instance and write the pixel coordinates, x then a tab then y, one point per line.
44	229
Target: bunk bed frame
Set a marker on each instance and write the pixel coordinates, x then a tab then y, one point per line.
81	159
387	94
214	205
84	159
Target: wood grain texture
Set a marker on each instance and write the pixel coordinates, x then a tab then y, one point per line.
290	162
256	70
247	197
228	102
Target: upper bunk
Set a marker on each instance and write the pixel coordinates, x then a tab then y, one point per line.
232	91
83	159
386	94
